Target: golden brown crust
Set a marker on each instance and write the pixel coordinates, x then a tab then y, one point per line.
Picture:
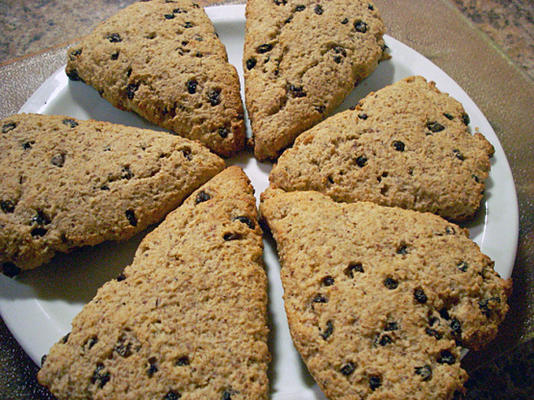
187	319
164	61
301	59
378	298
69	183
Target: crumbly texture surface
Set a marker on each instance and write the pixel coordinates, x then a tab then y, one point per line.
301	59
186	320
379	299
163	60
68	183
407	145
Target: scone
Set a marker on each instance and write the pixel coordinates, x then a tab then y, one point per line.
301	59
68	183
380	299
186	320
162	59
406	145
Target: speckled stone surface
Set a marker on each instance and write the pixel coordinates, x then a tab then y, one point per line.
461	37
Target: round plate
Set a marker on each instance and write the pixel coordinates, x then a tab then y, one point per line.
38	306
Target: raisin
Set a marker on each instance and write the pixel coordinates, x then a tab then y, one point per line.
458	154
434	126
398	145
10	270
361	161
433	333
43	359
126	173
92	341
201	197
328	331
98	376
300	7
280	2
448	116
484	309
76	53
374	382
179	11
123	347
296	91
476	178
456	328
318	9
449	230
391	326
104	187
245	220
172	395
353	267
264	48
360	26
319	298
131	89
188	24
348	368
338	59
65	338
345	21
130	216
370	7
420	296
152	369
115	55
114	37
251	63
58	160
40	218
168	16
229	236
385	340
465	118
129	72
444	313
192	86
363	116
402	249
214	96
328	281
182	361
28	145
425	372
320	109
288	20
70	123
227	394
38	232
390	283
120	277
73	75
446	357
7	206
462	266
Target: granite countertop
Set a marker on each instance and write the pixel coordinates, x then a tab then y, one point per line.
487	46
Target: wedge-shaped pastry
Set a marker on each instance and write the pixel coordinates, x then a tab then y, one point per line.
407	145
301	59
163	60
379	299
68	183
186	320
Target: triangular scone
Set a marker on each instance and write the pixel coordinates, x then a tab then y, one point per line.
68	183
379	299
301	59
162	59
187	319
407	145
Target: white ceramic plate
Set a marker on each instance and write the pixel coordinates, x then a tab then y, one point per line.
38	306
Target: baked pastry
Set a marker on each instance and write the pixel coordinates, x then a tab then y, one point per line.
380	299
68	183
406	145
186	320
301	59
162	59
